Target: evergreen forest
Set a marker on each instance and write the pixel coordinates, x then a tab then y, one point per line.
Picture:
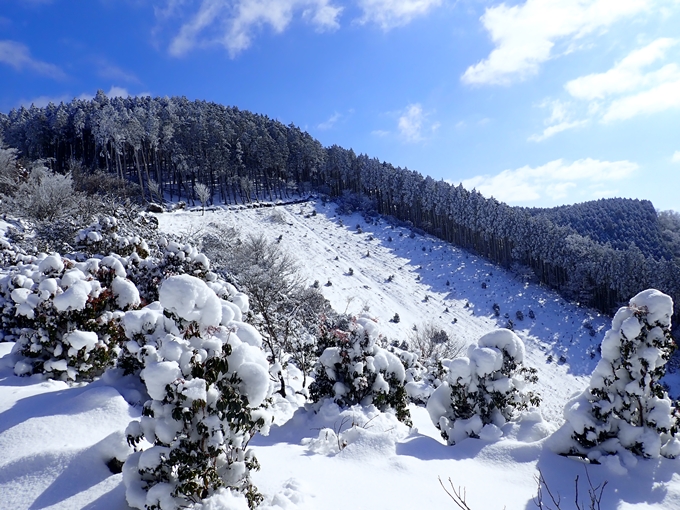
598	253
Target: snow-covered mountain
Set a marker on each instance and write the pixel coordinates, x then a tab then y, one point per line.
56	437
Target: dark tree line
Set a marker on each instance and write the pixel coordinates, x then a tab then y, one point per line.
590	252
617	221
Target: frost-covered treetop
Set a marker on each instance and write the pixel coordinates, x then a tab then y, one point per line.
659	306
505	341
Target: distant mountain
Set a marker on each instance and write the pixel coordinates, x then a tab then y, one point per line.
617	221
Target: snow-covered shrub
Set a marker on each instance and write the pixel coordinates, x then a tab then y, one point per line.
354	369
625	406
43	196
431	342
66	314
169	258
352	431
207	378
108	234
484	388
420	379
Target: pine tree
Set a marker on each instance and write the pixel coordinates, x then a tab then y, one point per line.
625	405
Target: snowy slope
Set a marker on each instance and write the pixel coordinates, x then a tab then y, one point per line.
556	333
55	438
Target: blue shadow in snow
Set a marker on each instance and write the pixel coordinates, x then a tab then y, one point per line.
558	324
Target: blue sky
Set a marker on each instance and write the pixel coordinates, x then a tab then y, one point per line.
535	102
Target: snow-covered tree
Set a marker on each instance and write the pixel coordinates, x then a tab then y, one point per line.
625	405
207	379
484	388
354	369
203	194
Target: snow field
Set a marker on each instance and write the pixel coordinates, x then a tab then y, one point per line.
317	239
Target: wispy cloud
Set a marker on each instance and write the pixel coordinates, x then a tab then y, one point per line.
413	124
560	119
233	24
676	157
42	101
115	91
556	128
657	99
587	178
641	83
394	13
628	74
328	124
109	71
18	56
525	35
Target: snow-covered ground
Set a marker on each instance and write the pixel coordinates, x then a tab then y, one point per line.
55	438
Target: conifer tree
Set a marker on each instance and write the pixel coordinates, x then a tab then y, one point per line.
625	405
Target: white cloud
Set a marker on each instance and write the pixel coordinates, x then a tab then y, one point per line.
560	120
19	57
638	84
328	124
676	157
556	128
115	91
394	13
524	35
627	75
413	125
554	180
42	101
232	24
657	99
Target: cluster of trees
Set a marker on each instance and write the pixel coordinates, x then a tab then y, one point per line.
202	369
175	148
616	221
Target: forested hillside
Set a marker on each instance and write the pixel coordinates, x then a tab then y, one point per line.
617	221
169	146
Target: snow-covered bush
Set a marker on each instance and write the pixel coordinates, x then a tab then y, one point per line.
43	196
625	406
354	369
65	315
169	258
108	234
420	379
486	388
207	379
432	342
